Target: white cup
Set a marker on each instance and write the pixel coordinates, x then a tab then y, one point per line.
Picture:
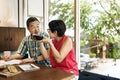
7	54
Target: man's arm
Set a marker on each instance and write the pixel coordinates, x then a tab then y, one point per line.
14	56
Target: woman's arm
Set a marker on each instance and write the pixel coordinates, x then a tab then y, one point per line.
65	49
45	53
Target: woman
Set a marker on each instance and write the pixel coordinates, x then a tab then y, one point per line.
61	51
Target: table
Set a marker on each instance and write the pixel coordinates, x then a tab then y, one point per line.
44	73
89	63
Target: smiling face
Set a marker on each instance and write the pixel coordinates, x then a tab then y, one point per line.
33	28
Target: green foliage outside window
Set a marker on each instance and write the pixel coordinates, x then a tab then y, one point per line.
61	10
101	19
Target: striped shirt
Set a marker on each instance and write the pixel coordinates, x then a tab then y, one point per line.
32	48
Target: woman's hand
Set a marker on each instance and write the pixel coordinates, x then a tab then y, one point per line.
45	39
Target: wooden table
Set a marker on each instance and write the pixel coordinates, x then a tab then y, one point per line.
44	73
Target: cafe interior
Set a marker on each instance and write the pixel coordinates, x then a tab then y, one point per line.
13	16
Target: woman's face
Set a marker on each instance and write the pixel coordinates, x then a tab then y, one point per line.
34	28
52	35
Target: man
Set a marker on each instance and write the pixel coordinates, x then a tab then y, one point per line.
29	49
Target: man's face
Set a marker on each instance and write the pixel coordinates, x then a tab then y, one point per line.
34	28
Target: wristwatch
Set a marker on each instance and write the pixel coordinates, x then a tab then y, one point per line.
35	60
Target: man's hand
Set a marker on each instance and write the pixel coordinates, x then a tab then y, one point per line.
28	60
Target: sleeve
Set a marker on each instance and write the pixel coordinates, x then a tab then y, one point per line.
22	49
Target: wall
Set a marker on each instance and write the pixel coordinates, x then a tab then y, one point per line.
33	8
9	13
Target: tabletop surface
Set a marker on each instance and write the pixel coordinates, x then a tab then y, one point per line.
44	73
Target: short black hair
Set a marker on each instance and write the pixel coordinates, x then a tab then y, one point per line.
57	25
31	19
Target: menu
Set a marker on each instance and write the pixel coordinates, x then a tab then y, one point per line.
28	67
